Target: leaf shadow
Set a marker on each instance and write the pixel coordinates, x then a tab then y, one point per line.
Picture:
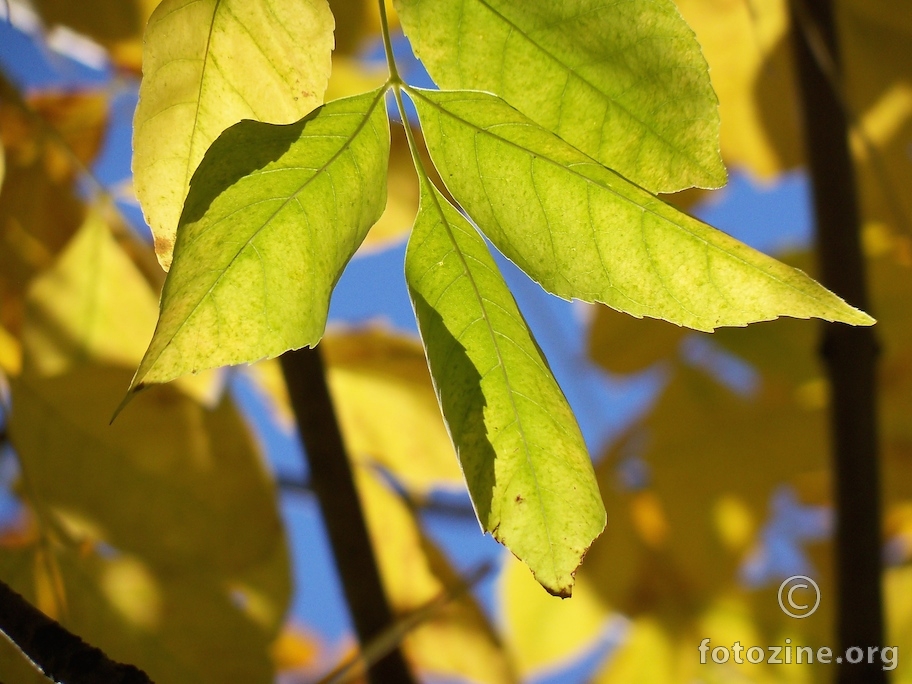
463	404
245	147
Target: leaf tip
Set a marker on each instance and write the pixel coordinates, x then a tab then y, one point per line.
134	389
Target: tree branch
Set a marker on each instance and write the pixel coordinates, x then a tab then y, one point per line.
849	353
333	482
58	653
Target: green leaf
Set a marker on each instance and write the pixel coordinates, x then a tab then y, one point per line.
625	82
273	216
522	454
208	64
584	232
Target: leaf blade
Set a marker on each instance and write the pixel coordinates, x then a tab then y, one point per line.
207	65
582	231
257	186
625	82
523	457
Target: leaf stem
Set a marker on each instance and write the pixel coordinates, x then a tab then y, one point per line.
397	83
394	79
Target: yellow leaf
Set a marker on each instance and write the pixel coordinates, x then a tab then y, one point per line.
898	608
544	631
646	657
357	22
93	304
10	353
388	409
38	210
385	404
623	344
455	640
294	648
402	199
668	652
353	76
80	119
174	483
115	24
206	66
181	628
747	47
874	38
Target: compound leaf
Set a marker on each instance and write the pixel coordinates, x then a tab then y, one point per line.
582	231
273	215
625	82
208	64
522	454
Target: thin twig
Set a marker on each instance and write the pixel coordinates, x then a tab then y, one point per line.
57	652
393	635
455	509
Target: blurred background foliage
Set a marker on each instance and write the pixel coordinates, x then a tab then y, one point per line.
164	538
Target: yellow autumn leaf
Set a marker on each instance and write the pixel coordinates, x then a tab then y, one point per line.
206	66
668	651
898	614
404	431
170	481
358	23
80	119
180	628
116	25
295	647
711	453
647	656
874	39
353	76
454	641
39	211
543	631
94	305
747	47
385	404
402	198
10	353
624	344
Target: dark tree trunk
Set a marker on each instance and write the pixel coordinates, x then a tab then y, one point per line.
333	482
849	353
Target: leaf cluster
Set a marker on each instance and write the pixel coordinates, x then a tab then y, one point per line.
557	128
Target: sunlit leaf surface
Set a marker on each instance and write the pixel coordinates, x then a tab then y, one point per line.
208	64
523	457
273	216
622	81
584	232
